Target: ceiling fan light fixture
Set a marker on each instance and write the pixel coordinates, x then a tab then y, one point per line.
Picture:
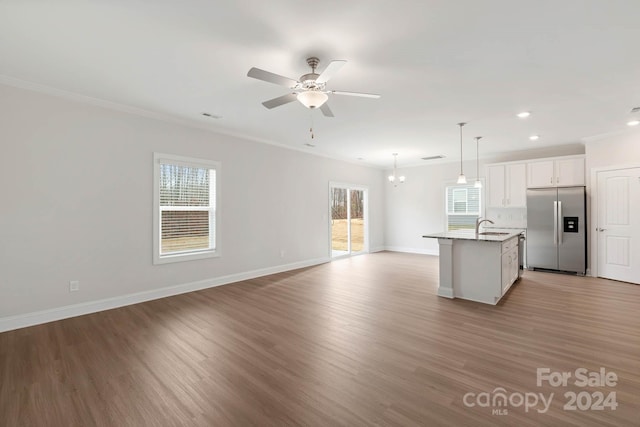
312	98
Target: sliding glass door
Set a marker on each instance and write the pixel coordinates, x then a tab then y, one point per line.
348	220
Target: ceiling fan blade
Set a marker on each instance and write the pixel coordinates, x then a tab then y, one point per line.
281	100
331	69
364	95
326	110
266	76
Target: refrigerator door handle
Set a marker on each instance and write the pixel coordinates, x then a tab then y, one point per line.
555	223
560	229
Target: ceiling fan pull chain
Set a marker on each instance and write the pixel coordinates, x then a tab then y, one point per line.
311	127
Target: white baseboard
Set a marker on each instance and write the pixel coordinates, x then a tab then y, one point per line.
377	249
30	319
422	251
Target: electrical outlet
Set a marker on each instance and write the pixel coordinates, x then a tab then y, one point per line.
74	285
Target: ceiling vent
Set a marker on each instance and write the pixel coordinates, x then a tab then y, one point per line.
439	156
635	110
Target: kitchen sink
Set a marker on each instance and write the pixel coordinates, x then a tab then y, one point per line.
492	233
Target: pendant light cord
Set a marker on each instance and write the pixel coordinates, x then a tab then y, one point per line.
461	124
478	158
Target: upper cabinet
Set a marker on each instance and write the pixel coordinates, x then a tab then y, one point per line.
507	185
570	172
561	172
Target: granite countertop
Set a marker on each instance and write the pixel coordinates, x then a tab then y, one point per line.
471	235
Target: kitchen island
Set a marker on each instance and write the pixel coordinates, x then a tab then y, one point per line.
477	266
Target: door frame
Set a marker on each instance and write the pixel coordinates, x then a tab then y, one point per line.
592	222
365	196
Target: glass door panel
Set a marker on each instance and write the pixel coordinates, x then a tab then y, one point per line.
356	220
348	221
339	223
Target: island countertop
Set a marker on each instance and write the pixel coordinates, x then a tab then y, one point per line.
471	235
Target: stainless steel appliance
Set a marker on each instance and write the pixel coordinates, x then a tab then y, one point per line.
556	232
521	243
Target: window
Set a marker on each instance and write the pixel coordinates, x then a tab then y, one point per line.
463	206
185	208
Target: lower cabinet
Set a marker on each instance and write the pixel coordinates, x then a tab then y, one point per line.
510	263
476	269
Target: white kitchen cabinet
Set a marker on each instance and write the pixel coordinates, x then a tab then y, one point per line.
507	185
540	174
556	173
506	270
569	172
510	263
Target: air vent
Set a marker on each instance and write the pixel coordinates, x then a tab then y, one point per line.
635	110
439	156
211	116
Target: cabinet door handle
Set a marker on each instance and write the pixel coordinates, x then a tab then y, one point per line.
551	180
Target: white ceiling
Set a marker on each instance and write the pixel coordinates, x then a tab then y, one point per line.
573	63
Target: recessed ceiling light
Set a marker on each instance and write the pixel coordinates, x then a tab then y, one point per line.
633	123
534	137
524	114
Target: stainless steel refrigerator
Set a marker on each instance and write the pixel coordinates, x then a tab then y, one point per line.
556	229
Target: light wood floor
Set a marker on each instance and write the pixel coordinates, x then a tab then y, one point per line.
360	341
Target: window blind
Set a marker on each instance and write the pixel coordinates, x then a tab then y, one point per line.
463	206
187	208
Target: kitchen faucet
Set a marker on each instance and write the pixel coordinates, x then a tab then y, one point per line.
480	221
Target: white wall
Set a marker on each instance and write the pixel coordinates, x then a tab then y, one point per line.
622	149
416	207
76	203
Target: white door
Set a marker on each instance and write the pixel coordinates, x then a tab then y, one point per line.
618	225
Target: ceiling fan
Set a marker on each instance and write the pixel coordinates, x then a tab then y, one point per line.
309	89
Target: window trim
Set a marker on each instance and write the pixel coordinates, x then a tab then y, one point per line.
191	162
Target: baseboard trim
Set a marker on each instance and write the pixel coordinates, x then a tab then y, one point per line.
412	250
36	318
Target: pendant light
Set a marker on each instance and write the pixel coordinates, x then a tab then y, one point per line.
478	184
393	178
461	178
